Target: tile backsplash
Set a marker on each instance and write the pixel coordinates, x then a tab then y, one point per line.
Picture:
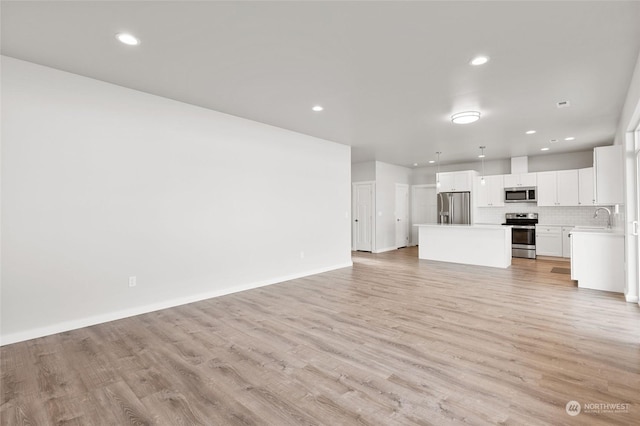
581	216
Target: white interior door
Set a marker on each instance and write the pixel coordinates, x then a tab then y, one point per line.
402	215
362	217
424	207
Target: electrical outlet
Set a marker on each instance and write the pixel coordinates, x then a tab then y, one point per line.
132	281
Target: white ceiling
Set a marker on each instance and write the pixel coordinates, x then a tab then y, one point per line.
389	74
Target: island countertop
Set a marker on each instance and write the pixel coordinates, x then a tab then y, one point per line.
459	225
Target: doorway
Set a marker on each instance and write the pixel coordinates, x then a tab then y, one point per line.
362	226
402	215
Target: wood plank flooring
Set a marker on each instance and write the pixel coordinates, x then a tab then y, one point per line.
392	341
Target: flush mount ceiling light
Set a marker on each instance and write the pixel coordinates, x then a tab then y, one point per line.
128	39
465	117
570	138
479	60
317	108
530	132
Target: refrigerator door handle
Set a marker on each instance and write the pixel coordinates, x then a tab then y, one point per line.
467	210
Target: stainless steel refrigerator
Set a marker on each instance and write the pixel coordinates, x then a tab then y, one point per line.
454	207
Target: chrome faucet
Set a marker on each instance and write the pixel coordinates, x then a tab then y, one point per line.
595	214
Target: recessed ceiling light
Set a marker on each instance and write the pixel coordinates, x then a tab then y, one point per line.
570	138
415	164
127	39
479	60
546	148
465	117
481	156
432	161
317	108
530	132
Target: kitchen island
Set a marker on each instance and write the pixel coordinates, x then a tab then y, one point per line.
597	258
484	245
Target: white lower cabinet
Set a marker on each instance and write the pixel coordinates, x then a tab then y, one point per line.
548	240
566	241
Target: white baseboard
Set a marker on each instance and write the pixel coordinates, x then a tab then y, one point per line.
631	299
125	313
382	250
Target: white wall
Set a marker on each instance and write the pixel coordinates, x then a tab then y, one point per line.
629	121
387	175
364	171
100	183
562	161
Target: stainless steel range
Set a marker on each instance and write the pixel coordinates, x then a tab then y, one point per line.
523	234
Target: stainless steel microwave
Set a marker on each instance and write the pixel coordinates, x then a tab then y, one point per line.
520	195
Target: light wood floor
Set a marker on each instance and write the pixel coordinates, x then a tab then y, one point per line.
391	341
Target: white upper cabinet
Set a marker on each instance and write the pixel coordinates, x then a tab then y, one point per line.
558	188
608	183
585	187
528	179
547	194
491	194
456	181
520	179
567	187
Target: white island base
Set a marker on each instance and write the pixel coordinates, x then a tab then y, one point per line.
597	259
484	245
